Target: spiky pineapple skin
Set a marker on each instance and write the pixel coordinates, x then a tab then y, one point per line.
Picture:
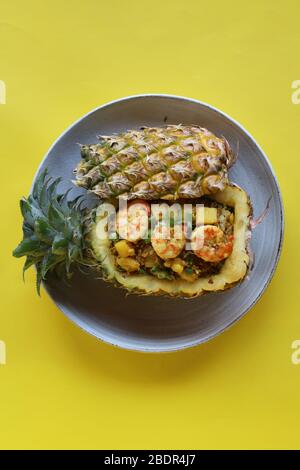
172	162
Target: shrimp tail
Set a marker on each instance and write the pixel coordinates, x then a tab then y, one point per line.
255	222
232	156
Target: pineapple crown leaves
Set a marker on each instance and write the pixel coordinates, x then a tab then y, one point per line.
53	232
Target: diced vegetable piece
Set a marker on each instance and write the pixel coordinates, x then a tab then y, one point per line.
186	276
177	267
151	260
161	273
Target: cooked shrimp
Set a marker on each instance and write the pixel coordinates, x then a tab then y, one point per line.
132	224
168	242
211	244
138	204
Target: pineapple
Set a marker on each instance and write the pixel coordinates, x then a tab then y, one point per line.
172	162
177	265
128	264
209	215
124	249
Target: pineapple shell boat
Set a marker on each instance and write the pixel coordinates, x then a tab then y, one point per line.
184	281
172	162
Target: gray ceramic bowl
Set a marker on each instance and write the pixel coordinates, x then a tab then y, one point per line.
158	323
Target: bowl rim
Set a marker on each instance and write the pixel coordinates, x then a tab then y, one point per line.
172	348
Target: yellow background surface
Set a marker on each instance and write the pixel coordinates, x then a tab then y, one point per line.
62	388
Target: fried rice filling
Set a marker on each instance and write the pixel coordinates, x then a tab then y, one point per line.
184	251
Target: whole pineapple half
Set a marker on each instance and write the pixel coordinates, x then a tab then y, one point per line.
58	234
172	162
